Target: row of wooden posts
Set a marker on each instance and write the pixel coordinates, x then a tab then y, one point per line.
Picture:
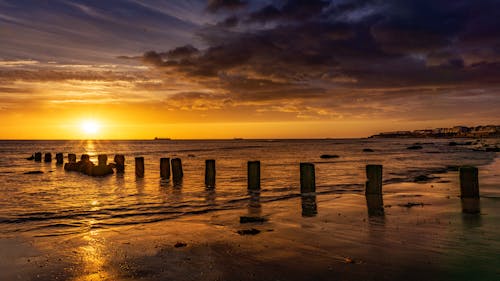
469	184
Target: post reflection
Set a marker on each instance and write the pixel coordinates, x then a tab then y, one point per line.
254	206
375	205
210	196
309	206
471	206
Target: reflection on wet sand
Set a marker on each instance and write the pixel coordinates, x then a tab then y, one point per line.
93	258
210	196
309	206
375	205
254	207
471	206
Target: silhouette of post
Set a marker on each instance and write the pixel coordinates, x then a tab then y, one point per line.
307	178
85	158
177	173
120	163
72	158
59	158
210	173
253	175
38	157
469	183
165	168
102	160
48	157
139	167
374	179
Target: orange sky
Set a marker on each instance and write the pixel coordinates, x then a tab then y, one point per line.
208	70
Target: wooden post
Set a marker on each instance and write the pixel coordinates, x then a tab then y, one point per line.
374	179
165	168
120	163
469	183
307	178
48	157
177	172
38	157
59	158
102	160
139	167
71	158
253	175
85	158
210	173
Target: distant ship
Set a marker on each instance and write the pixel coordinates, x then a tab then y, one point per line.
157	138
237	138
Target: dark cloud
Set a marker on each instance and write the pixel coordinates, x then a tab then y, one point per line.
216	5
311	52
291	10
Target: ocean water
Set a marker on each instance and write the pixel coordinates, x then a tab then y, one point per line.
57	202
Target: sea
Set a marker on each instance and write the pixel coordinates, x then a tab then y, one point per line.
57	202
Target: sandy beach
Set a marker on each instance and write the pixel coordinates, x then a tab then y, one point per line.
421	234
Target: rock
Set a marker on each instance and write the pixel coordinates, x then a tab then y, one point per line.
245	219
423	178
452	143
32	157
411	204
99	171
492	149
251	231
414	147
180	245
328	156
368	150
33	172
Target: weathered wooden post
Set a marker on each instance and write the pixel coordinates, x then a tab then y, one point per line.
177	172
375	205
469	183
253	175
48	157
210	173
85	158
374	179
38	157
72	158
102	160
307	178
120	163
165	168
59	158
139	167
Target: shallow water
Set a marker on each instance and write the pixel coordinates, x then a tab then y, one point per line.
60	203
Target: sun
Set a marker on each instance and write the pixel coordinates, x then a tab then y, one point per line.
90	127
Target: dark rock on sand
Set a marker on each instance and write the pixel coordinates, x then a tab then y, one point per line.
411	204
328	156
33	172
245	219
423	178
492	149
32	157
180	245
414	147
368	150
251	231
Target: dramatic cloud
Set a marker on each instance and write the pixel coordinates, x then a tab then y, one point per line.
280	60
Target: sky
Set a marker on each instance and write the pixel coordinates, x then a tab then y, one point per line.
136	69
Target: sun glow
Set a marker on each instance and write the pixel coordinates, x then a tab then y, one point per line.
90	127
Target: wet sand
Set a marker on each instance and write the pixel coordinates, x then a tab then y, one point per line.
420	234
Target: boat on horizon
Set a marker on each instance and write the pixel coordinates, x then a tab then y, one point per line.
157	138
